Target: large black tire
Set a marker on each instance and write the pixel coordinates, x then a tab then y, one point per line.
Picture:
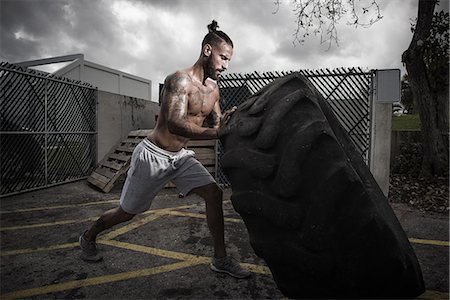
312	209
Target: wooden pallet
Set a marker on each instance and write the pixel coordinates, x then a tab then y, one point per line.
117	161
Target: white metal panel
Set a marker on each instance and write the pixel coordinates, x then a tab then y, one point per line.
135	88
73	73
104	80
387	86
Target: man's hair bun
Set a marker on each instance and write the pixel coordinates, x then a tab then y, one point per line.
213	26
214	36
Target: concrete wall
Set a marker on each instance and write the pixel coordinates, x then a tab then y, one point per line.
118	115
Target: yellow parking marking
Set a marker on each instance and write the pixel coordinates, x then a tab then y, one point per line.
196	215
173	212
179	255
188	260
155	251
153	211
40	225
65	222
22	210
257	269
138	248
57	207
157	213
433	295
430	242
33	250
129	227
100	280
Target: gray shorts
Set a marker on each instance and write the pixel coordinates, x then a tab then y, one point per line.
152	168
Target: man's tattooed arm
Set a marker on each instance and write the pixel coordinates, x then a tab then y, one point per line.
213	120
176	98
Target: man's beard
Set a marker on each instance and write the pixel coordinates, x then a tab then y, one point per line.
210	71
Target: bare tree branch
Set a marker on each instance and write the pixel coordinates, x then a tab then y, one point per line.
322	16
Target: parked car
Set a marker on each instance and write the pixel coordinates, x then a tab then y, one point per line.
398	109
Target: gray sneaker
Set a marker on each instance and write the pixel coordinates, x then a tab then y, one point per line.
229	266
89	250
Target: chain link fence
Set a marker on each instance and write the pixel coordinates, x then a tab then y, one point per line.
47	129
347	90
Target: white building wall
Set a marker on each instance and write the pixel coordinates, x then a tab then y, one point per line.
134	87
102	79
107	79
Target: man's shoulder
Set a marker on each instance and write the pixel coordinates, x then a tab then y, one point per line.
212	83
179	75
177	79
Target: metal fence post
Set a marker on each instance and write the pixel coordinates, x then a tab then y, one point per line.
385	91
46	131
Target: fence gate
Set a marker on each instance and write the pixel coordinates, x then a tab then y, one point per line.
347	90
47	129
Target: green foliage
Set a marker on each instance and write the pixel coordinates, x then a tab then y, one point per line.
406	122
409	161
436	48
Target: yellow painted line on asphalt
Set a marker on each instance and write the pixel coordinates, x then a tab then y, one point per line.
257	269
153	211
129	227
22	210
433	295
178	255
99	280
197	215
154	214
40	225
155	251
33	250
65	222
430	242
58	206
171	211
143	249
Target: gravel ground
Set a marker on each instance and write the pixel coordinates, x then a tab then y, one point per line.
425	194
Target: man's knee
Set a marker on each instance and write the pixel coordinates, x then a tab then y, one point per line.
215	191
210	192
123	215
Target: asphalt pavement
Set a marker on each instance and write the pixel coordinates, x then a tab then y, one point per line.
161	254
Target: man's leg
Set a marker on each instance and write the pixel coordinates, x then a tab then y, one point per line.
107	220
212	194
214	216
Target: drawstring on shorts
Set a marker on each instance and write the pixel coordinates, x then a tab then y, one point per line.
172	157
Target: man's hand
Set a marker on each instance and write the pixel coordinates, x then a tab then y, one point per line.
227	115
224	128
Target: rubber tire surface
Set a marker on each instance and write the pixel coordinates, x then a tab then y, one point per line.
312	209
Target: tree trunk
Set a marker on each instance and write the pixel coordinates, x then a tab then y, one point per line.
433	105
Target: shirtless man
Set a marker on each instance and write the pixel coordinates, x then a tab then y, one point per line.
189	97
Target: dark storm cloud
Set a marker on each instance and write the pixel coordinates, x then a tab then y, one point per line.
34	29
34	18
91	22
153	38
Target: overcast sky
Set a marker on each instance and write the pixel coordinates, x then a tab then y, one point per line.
153	38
